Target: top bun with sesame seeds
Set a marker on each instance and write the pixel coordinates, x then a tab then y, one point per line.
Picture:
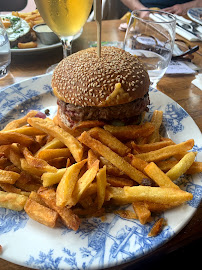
83	80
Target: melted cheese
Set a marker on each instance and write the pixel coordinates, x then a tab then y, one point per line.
115	96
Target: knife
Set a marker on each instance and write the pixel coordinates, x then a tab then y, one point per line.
193	33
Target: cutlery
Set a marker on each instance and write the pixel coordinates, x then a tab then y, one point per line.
189	23
198	35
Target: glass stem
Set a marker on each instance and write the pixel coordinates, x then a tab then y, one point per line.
67	46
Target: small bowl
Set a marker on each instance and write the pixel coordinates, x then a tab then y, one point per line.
45	34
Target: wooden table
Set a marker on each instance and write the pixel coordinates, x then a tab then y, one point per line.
178	88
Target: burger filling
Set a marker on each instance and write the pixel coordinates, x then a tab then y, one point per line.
126	113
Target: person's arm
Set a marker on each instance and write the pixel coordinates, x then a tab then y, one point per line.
133	4
181	9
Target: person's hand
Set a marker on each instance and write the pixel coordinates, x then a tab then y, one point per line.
177	9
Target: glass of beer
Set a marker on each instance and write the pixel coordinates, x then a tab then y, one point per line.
65	18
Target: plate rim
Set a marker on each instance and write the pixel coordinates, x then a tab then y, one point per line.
193	18
180	227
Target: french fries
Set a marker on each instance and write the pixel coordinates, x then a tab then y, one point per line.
67	183
101	186
160	178
182	166
68	217
12	201
53	175
48	126
115	159
27	45
131	132
41	213
8	177
32	18
167	151
156	194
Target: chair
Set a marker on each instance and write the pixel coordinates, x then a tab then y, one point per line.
12	5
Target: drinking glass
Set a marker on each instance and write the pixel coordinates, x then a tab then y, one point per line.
65	18
5	54
150	36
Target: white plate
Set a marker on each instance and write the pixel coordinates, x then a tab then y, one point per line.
97	244
194	14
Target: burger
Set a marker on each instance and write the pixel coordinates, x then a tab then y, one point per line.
112	89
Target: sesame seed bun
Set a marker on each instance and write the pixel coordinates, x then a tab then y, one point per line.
83	79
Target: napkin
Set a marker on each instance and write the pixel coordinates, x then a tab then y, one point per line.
198	81
182	32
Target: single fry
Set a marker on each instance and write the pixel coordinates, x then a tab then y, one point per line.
109	140
167	152
12	201
157	194
130	132
8	177
41	213
67	183
29	131
159	177
27	45
182	166
48	154
157	227
156	120
115	159
148	147
48	126
143	213
83	183
14	137
101	178
71	220
50	178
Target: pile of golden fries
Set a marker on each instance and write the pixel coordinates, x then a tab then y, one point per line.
32	18
55	176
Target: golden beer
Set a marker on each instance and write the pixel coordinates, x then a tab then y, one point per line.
64	17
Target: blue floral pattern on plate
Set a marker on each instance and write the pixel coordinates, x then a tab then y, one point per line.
96	244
